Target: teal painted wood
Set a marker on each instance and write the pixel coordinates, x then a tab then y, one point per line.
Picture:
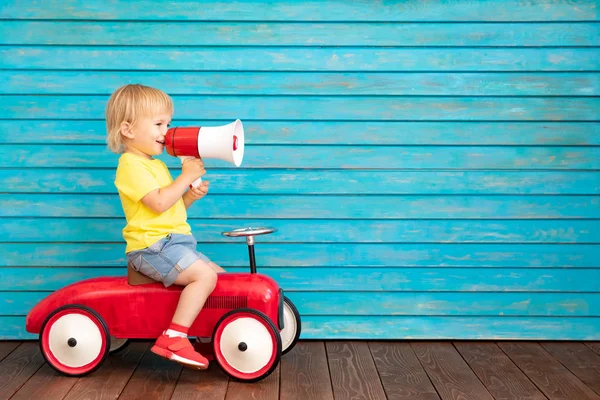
436	178
319	207
399	303
140	33
297	59
73	230
235	253
386	133
326	157
305	181
413	327
291	10
351	279
323	108
300	83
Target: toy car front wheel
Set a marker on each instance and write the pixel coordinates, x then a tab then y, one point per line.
246	345
74	340
291	326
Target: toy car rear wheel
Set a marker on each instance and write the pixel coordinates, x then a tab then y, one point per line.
74	340
116	344
291	326
246	345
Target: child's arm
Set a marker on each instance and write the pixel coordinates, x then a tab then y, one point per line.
160	200
195	193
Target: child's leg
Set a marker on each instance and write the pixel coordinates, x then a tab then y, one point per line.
199	280
216	267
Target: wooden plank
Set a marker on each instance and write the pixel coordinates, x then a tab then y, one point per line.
320	207
554	380
207	385
111	378
357	255
142	33
327	157
154	378
353	372
435	303
449	373
594	346
401	373
7	347
266	389
299	83
305	373
276	181
376	327
465	133
18	367
354	108
399	303
45	384
461	10
501	377
307	231
411	279
579	359
298	59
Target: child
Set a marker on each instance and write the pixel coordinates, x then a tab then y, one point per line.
159	240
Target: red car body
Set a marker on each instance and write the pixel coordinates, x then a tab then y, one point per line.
144	311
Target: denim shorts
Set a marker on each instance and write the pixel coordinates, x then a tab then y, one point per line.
166	258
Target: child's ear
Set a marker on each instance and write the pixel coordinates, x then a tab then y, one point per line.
126	130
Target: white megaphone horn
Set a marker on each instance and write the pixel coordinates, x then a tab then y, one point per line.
224	142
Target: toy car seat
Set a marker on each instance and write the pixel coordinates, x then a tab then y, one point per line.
135	278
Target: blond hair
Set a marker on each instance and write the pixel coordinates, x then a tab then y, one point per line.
129	103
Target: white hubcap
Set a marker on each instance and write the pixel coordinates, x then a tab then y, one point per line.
75	340
246	345
289	327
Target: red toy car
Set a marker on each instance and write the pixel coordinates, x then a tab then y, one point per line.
249	320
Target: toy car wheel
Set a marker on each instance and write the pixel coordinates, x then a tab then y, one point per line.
291	326
246	345
117	345
74	340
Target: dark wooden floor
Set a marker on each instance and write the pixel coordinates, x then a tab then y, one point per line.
328	370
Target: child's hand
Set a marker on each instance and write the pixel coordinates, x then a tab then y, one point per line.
193	168
199	192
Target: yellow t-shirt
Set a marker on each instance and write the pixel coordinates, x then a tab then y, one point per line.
136	177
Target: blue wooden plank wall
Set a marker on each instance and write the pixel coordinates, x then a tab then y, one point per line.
432	167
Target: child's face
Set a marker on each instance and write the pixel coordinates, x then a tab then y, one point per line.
147	136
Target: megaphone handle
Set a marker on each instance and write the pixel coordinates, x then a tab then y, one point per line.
198	181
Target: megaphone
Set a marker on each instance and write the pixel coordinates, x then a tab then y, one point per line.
224	142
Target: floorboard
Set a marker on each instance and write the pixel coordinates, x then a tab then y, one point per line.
502	378
579	359
111	378
16	368
266	389
206	385
401	374
327	370
45	384
7	347
594	346
353	372
549	375
154	378
305	373
449	373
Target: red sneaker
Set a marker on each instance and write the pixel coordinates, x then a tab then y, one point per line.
180	350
